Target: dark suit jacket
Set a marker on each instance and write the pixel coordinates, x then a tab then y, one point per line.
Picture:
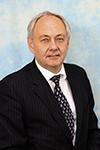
30	118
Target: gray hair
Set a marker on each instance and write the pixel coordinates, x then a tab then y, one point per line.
33	22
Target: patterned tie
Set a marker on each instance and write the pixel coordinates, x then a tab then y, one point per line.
66	110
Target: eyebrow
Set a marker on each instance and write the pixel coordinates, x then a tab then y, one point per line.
60	35
44	35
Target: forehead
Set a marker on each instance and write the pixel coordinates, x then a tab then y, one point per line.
49	23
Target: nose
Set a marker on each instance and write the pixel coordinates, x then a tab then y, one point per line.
53	45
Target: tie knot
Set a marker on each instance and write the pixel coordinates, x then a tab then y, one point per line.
55	79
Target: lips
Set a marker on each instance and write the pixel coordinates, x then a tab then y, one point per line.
53	55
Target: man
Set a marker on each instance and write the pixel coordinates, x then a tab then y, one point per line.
48	105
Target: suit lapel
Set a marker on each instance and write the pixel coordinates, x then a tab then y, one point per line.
43	90
45	94
76	92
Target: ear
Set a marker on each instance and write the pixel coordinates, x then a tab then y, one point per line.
30	44
68	42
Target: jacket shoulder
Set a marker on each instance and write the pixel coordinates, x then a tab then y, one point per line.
74	68
18	75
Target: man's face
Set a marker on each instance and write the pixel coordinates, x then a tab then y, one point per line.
49	43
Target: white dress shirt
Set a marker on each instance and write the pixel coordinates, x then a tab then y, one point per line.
65	87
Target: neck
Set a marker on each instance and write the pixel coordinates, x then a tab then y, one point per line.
54	69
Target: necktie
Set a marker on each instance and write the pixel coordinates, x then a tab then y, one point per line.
64	105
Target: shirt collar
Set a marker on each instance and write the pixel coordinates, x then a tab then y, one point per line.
47	74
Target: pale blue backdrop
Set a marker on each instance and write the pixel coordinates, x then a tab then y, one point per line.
84	18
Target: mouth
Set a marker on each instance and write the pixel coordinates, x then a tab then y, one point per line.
53	56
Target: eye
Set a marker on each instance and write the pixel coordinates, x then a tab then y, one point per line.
45	40
60	39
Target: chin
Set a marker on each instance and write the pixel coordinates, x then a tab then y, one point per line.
55	65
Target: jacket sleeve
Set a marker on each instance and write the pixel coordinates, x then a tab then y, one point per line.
12	131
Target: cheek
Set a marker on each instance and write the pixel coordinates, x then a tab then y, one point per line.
64	49
40	49
66	46
40	54
63	46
